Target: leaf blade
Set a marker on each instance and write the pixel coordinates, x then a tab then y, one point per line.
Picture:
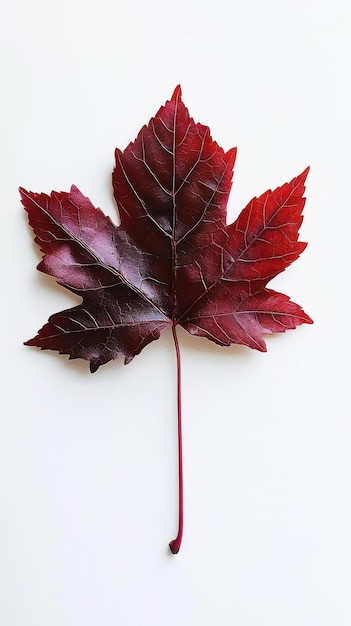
173	259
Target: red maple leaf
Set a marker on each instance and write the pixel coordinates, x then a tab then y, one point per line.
173	259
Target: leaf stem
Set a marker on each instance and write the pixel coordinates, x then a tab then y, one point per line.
176	543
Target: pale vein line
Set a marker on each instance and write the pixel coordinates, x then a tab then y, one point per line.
141	200
196	162
158	139
206	206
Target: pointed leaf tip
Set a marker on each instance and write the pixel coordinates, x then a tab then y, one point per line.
177	94
305	173
23	193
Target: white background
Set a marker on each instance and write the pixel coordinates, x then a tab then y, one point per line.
88	485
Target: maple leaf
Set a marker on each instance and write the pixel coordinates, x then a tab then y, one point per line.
173	259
